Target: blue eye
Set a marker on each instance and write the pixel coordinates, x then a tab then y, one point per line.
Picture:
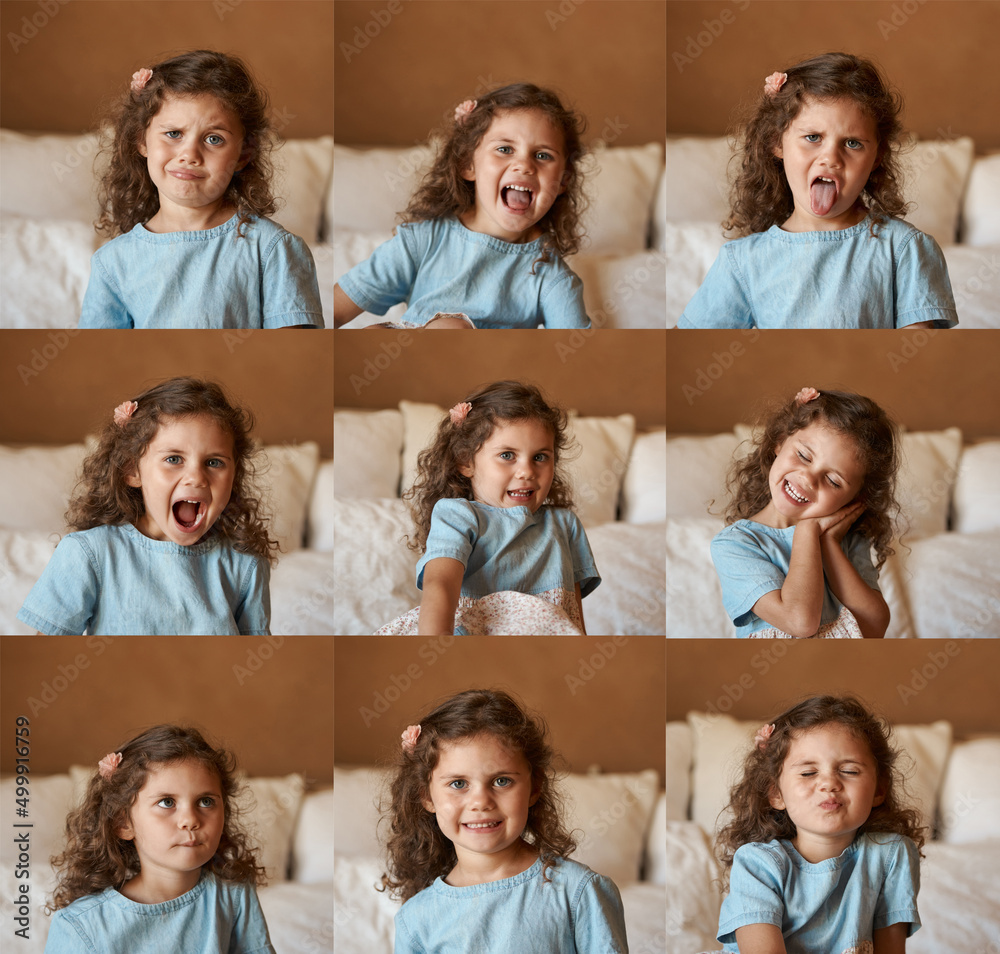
457	784
161	802
218	140
207	802
812	137
216	463
857	144
172	133
507	455
504	782
172	459
505	150
543	155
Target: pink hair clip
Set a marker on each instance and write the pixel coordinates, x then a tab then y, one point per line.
410	737
462	110
106	767
806	395
124	411
774	82
140	78
763	736
459	412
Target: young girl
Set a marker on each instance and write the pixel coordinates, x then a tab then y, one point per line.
486	233
503	553
169	540
810	500
477	849
186	192
823	855
155	859
819	201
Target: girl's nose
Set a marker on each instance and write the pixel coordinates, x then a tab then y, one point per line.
482	797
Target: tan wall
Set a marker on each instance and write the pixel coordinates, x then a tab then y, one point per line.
56	388
926	381
609	372
614	719
604	56
86	52
955	679
941	55
86	695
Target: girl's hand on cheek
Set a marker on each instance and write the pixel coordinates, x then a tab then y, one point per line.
836	525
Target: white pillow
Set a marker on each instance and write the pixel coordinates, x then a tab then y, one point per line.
696	473
596	474
969	807
620	183
313	846
272	807
302	171
926	479
355	809
934	176
655	868
977	503
367	449
678	770
658	235
37	483
924	754
981	210
697	183
288	481
319	530
644	493
614	812
372	185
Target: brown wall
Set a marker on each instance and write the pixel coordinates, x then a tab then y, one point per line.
605	373
926	381
955	679
604	56
85	696
613	719
86	52
941	56
57	387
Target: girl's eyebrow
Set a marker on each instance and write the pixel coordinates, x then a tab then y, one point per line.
177	450
447	778
839	762
214	793
219	126
503	139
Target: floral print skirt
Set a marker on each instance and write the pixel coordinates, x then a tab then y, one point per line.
845	626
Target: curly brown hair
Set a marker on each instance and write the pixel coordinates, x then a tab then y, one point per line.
876	439
103	495
127	194
755	820
760	195
97	858
439	465
418	851
444	193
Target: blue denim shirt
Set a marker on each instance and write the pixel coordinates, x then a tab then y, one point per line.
114	581
214	917
753	559
845	278
576	912
204	279
441	266
834	906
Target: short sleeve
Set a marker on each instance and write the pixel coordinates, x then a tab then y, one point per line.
858	550
745	572
453	534
897	902
290	286
599	918
923	289
754	893
562	305
63	601
253	615
584	569
103	306
64	938
249	933
721	301
385	278
405	943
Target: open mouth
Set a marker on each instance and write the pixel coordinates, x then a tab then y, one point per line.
822	195
517	198
189	515
796	497
481	826
521	496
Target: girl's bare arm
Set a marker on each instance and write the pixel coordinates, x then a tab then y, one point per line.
760	939
343	308
868	606
891	939
797	607
442	586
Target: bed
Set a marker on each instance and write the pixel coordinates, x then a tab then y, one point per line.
941	581
618	483
36	482
955	785
956	196
292	825
621	264
630	852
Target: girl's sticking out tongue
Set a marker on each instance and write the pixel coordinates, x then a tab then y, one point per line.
822	195
516	198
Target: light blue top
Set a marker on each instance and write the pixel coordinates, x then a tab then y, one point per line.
841	279
752	559
441	266
205	279
834	906
576	912
214	917
114	581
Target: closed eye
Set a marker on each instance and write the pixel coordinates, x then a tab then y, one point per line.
833	483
